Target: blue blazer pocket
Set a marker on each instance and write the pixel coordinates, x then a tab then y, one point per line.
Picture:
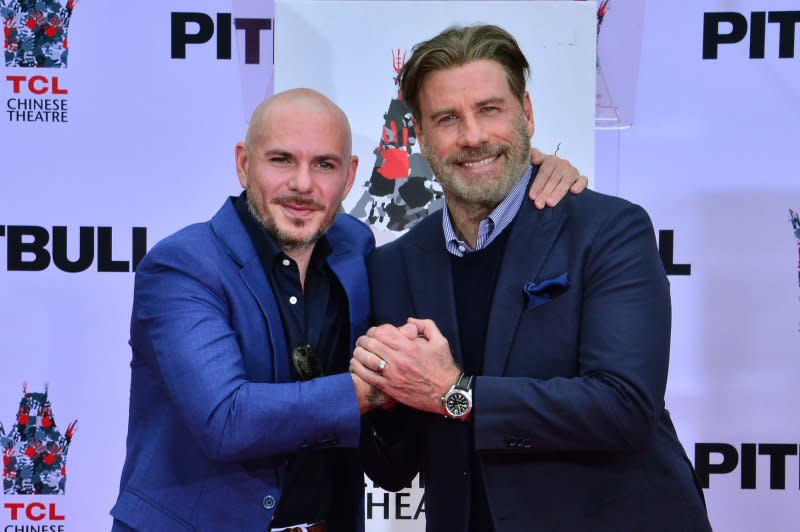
540	293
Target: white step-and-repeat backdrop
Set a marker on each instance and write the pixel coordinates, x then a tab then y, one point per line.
117	127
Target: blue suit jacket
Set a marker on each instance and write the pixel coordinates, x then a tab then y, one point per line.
213	411
569	418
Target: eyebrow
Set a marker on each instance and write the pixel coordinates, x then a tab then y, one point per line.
289	155
279	152
328	157
490	101
480	103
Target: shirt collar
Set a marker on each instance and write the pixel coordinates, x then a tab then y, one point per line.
491	226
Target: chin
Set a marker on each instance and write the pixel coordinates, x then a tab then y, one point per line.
291	233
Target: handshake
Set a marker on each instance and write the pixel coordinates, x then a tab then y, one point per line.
411	364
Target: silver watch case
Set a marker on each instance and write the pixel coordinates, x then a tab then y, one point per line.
457	401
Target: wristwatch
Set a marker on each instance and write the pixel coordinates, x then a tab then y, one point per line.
457	401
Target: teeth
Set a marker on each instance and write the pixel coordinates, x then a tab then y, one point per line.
482	162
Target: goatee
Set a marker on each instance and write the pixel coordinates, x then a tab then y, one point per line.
286	242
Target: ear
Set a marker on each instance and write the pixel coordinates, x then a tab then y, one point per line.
527	108
351	175
418	132
242	163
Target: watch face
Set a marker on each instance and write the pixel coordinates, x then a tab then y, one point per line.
457	404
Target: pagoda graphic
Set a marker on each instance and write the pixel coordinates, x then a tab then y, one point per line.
402	188
35	451
35	32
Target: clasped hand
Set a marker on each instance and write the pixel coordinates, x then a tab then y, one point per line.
411	364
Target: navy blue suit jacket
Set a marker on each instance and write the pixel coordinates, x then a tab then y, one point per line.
569	417
213	411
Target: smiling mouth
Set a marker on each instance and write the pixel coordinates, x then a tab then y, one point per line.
299	210
480	163
298	205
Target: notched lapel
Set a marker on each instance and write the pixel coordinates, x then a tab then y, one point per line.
431	279
230	232
352	273
253	276
532	237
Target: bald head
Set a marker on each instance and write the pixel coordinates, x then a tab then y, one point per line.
294	99
297	166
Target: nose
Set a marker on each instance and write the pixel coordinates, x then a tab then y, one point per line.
301	180
470	132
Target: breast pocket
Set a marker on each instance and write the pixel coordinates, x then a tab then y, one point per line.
547	338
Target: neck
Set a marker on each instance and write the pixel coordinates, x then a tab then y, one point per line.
466	219
302	257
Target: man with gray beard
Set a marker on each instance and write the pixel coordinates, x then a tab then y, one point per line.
528	349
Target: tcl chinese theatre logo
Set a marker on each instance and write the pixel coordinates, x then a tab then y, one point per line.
35	38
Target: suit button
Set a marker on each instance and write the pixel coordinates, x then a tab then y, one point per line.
268	502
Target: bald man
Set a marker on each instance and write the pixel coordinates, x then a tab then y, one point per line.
243	415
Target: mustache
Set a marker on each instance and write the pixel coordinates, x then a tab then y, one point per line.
296	199
489	150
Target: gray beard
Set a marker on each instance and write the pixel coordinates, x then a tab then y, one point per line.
487	197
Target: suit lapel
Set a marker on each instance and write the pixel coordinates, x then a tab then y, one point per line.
253	276
231	232
532	236
352	273
431	281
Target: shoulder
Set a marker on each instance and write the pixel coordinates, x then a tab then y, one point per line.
610	230
595	211
425	234
183	242
203	246
186	249
352	233
597	205
392	258
196	249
